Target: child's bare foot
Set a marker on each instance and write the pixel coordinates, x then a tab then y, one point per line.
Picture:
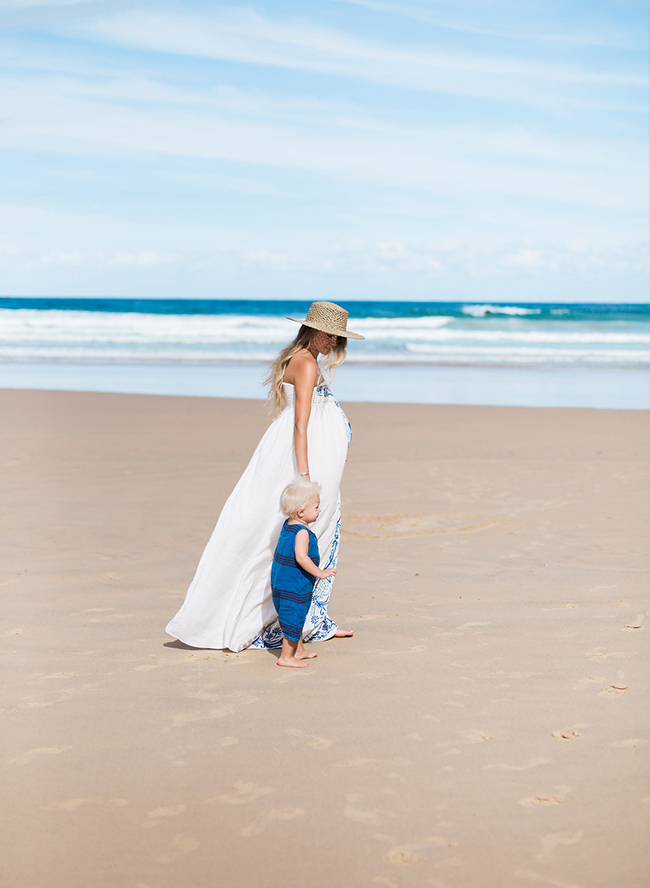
304	654
343	633
291	661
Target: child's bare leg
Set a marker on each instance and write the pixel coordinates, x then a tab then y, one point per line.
288	654
303	654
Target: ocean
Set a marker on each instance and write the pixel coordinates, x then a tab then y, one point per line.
528	354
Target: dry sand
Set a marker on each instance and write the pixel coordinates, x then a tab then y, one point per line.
486	727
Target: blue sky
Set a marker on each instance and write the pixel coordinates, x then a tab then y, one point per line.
334	149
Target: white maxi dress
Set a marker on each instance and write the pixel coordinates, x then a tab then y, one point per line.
229	604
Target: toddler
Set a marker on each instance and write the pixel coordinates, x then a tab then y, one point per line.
295	569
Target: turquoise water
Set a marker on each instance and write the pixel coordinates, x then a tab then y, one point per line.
590	355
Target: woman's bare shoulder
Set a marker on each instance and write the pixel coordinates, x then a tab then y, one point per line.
302	368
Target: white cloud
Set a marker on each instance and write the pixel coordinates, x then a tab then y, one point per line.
62	257
242	35
39	4
570	38
118	118
354	256
126	259
527	258
136	259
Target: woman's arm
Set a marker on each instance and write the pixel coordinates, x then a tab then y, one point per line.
305	375
301	551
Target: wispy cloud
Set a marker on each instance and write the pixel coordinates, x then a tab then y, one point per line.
247	37
580	38
354	256
157	142
139	118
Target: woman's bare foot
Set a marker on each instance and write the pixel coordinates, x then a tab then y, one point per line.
343	633
292	661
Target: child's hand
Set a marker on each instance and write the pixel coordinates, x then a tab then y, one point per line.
330	572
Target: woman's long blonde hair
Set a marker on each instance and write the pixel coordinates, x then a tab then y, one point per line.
303	340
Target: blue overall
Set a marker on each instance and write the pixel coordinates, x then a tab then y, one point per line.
292	586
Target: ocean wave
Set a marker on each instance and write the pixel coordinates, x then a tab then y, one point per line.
24	326
443	355
82	336
483	311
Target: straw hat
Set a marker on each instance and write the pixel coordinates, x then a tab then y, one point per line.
329	318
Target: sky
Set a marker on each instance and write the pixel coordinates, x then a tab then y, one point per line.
331	149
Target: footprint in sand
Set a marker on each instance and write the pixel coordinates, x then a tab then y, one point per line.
599	656
40	677
405	855
240	659
416	649
613	689
186	718
34	753
396	762
354	812
39	702
478	736
545	801
407	525
366	617
565	734
585	682
440	841
402	855
109	617
166	812
502	766
551	842
73	804
368	676
180	845
273	816
242	793
309	739
155	816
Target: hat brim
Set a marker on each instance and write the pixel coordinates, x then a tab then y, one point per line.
325	328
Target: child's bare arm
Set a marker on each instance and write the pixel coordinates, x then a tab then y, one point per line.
302	557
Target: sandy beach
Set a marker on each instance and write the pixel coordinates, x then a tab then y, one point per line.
486	727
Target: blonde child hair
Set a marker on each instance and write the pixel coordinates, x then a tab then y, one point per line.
296	495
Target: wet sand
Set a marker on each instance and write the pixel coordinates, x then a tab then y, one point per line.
487	726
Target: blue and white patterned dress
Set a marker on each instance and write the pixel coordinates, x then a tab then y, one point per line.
229	603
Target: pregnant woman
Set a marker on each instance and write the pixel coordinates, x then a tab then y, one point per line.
229	603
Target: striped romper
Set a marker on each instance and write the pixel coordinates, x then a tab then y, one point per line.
292	586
